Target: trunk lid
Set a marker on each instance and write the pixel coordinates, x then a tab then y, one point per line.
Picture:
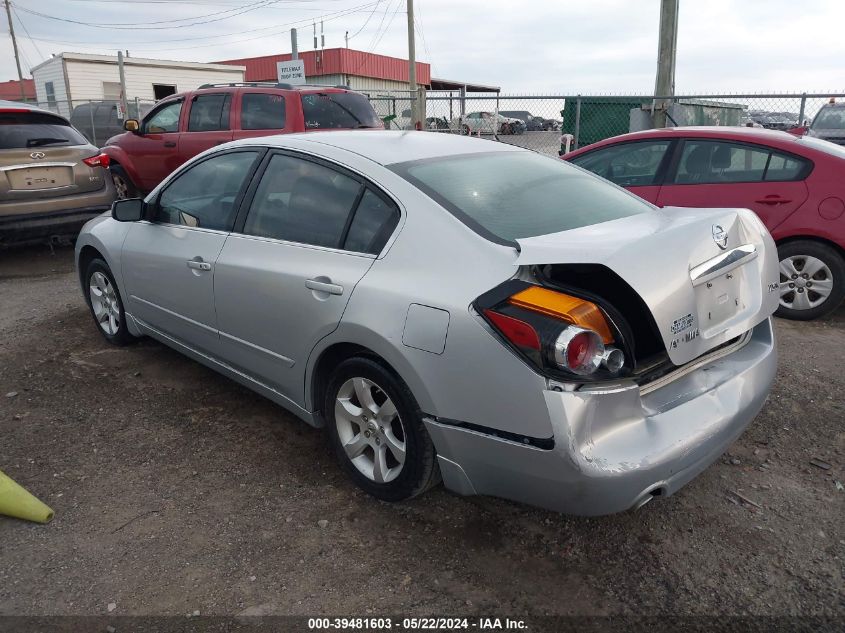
706	275
48	172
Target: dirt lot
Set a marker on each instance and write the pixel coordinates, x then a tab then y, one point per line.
177	491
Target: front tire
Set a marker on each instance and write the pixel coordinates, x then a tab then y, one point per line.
123	185
812	280
106	305
377	432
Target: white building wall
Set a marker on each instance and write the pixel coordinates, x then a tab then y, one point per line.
363	84
51	70
86	77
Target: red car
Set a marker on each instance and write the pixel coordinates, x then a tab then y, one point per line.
183	125
795	184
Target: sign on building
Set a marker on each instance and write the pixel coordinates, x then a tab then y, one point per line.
291	72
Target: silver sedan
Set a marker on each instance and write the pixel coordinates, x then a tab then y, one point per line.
453	308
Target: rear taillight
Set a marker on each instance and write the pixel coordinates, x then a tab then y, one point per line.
100	160
559	333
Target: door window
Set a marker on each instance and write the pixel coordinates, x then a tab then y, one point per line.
204	196
302	201
164	119
262	111
626	164
209	112
719	162
373	223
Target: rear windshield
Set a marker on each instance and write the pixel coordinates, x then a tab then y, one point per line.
505	196
20	130
343	110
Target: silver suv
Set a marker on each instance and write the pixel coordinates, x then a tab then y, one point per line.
52	180
829	123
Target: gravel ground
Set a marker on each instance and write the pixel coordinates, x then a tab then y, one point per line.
177	491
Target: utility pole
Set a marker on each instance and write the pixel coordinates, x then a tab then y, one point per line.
15	47
412	65
666	49
123	105
294	48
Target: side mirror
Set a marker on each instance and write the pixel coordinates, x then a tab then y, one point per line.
129	210
131	125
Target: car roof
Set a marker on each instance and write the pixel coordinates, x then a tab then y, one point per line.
725	132
386	147
20	105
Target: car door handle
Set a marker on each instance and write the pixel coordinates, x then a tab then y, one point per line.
198	265
773	200
323	286
170	143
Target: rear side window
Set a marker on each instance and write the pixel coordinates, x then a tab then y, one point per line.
204	195
719	162
302	201
626	164
262	111
209	113
373	223
505	196
19	130
343	110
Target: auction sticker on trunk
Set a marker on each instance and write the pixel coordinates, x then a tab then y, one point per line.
682	323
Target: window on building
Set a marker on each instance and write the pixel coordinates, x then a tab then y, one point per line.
111	90
262	111
160	91
209	112
50	90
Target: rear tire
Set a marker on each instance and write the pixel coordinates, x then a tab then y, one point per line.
812	280
123	185
376	430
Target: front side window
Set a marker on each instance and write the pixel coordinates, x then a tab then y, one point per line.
262	111
204	196
164	119
626	164
209	112
505	196
302	201
341	110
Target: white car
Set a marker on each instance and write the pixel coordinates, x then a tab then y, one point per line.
487	123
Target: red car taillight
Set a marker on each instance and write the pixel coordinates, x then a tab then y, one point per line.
557	332
100	160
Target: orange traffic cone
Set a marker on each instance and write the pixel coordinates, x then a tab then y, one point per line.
18	503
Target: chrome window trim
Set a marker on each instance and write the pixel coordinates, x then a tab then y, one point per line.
328	249
199	229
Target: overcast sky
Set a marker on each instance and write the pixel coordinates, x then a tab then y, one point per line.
552	46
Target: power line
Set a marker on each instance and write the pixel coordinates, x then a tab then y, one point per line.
141	25
325	17
369	17
29	37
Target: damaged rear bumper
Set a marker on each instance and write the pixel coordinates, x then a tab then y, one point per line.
616	449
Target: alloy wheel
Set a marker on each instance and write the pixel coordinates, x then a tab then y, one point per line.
105	303
805	282
370	430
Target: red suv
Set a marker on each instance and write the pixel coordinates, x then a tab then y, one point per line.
183	125
794	184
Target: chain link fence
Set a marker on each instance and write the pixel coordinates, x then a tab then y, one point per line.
97	120
545	123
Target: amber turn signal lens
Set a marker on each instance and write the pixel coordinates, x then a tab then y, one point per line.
562	306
